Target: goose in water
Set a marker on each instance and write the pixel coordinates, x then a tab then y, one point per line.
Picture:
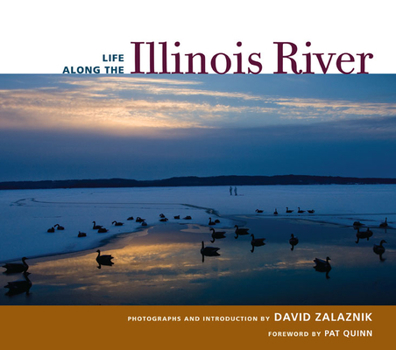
300	211
379	249
51	230
218	234
211	223
177	217
144	223
16	267
139	219
59	227
323	266
103	230
104	259
18	287
288	210
217	221
256	242
384	224
258	211
188	217
161	215
311	211
293	241
363	234
357	224
163	219
116	223
96	227
130	218
240	231
208	251
276	212
81	234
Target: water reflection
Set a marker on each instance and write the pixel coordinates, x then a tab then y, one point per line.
162	265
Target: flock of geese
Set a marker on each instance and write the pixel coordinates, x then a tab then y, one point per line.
239	231
321	265
288	211
378	249
23	286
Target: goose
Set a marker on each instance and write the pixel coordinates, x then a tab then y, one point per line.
96	227
103	230
17	267
217	221
322	265
218	234
300	211
139	219
130	218
59	227
161	215
81	234
256	242
177	217
293	241
104	259
276	212
18	287
211	223
116	223
385	223
164	219
258	211
188	217
379	249
311	211
357	224
288	210
240	231
144	223
363	234
208	251
51	230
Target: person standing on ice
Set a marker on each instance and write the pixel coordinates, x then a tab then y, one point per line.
230	190
235	191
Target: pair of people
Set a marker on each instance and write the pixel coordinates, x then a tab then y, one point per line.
235	191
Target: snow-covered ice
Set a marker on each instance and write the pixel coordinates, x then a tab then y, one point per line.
27	214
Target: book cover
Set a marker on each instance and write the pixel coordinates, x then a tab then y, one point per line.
212	174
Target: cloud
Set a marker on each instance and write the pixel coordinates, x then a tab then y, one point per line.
127	105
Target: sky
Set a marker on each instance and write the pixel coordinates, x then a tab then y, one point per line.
56	127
